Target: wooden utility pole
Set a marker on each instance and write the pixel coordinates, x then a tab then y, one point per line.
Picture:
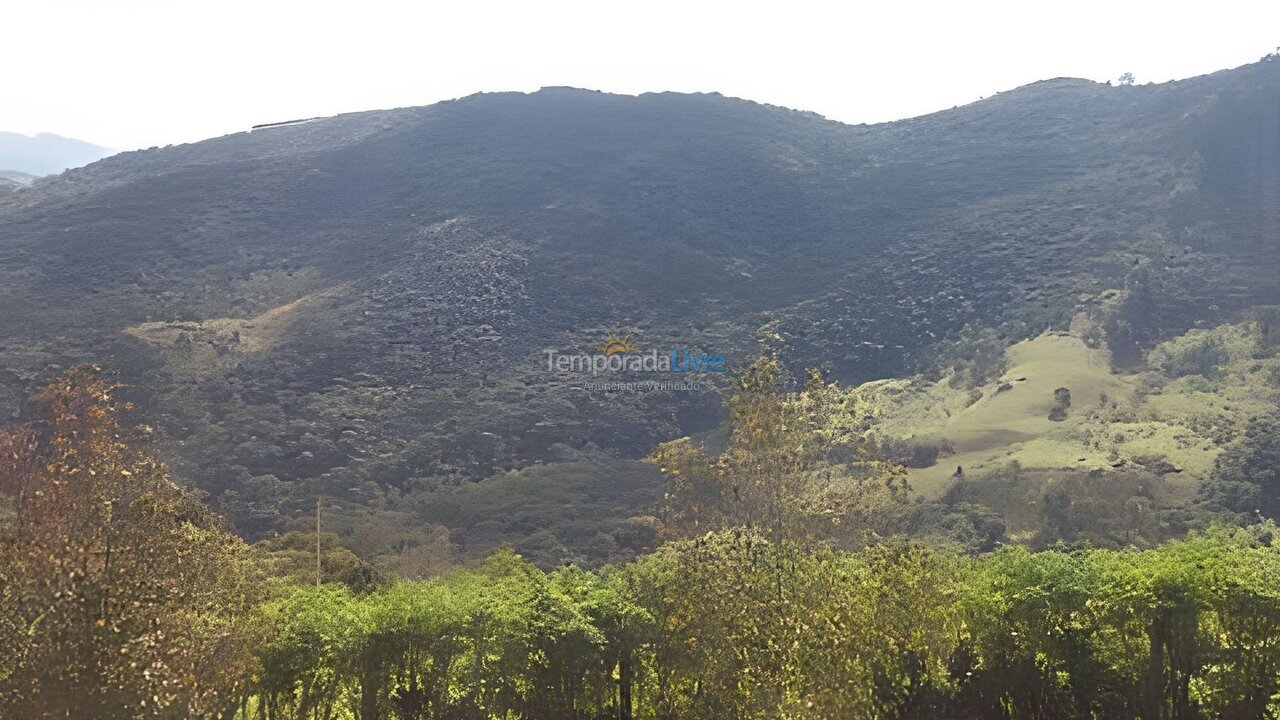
317	541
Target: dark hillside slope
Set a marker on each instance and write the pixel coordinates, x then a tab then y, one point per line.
358	305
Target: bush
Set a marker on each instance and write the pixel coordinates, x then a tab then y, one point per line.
1193	354
911	452
1203	352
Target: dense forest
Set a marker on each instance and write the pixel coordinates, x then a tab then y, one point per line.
997	436
778	593
357	308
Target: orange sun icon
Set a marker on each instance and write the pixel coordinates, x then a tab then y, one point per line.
612	345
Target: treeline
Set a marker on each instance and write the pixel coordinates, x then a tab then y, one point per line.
732	626
122	596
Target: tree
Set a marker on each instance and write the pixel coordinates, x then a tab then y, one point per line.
1127	79
1196	353
1253	461
315	648
1027	644
124	596
608	601
795	465
852	635
1244	614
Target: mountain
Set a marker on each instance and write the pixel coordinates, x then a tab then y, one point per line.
44	154
15	178
361	306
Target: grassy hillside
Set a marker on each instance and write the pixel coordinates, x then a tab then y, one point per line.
1156	432
1007	419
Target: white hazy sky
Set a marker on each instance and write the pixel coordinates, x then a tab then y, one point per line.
136	73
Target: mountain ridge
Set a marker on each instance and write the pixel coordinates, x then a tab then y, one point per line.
415	263
46	153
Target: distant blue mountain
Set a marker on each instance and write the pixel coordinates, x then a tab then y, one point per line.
46	153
